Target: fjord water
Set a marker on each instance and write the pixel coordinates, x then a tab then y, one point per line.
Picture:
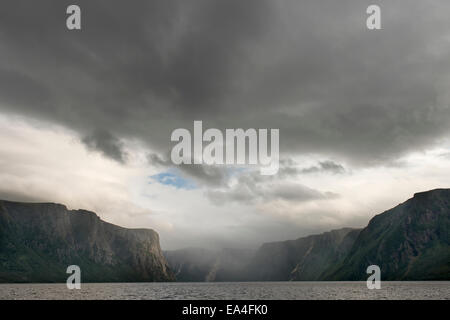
232	290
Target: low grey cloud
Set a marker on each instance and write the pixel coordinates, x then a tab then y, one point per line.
106	143
12	195
445	155
325	166
209	175
251	187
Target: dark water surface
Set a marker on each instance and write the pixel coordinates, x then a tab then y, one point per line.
231	290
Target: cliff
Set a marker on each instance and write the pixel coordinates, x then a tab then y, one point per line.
39	240
408	242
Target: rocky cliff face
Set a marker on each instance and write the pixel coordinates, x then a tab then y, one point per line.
302	259
408	242
39	241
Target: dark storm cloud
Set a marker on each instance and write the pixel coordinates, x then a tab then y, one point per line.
251	187
212	176
105	142
251	193
325	166
290	168
309	68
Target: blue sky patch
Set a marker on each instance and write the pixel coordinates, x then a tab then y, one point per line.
173	179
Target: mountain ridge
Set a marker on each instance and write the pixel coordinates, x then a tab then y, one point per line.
39	240
409	242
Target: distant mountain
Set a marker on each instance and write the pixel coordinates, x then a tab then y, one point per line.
197	264
191	264
39	240
302	259
408	242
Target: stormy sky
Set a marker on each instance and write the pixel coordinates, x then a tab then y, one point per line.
86	115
